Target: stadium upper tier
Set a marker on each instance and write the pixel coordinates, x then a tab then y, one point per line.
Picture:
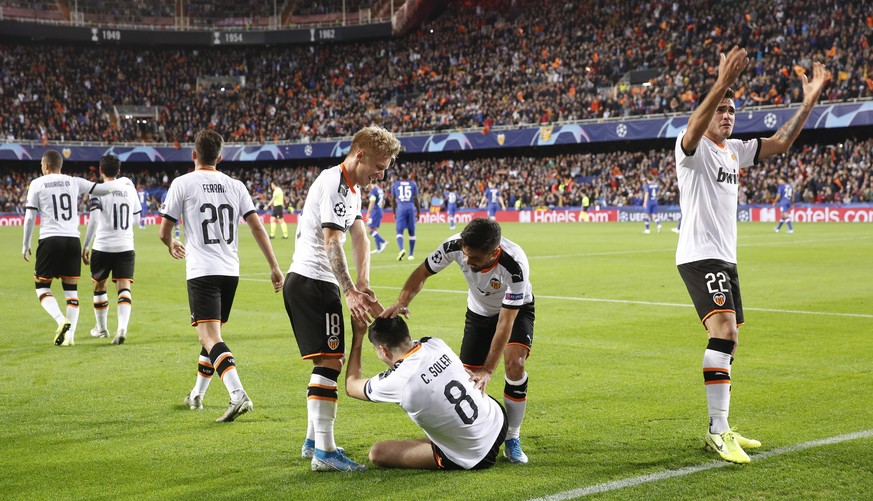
187	13
478	65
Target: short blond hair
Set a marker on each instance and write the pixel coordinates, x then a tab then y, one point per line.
377	142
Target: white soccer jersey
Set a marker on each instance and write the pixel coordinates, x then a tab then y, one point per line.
506	284
56	197
330	203
708	188
431	385
114	212
210	204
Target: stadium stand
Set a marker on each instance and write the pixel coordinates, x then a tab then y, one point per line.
479	65
821	174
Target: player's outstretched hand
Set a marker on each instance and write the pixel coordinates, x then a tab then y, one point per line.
359	303
812	88
25	253
480	378
86	258
177	250
277	278
376	307
731	65
394	310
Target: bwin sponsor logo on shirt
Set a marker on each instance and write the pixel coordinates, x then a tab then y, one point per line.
726	177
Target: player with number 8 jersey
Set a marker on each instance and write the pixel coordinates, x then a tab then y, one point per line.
464	427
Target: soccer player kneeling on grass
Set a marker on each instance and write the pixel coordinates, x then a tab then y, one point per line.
464	427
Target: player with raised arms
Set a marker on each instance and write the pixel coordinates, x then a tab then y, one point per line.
708	166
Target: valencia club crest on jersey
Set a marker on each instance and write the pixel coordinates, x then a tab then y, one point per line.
333	342
494	283
339	209
719	298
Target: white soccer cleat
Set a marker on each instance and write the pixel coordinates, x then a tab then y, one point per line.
411	258
195	403
236	409
120	337
646	232
99	333
675	230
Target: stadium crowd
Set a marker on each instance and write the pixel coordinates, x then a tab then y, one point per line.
479	65
820	174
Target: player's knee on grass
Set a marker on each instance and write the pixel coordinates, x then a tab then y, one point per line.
377	454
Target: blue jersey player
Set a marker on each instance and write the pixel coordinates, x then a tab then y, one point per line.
374	216
650	203
492	199
404	200
785	199
452	200
144	203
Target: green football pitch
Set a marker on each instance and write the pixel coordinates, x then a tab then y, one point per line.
616	405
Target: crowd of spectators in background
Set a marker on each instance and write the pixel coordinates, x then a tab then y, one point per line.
820	174
480	64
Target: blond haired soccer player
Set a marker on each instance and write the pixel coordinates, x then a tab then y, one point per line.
210	204
708	165
319	272
55	197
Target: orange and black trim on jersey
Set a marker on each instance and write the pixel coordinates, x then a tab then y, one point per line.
38	278
346	177
496	261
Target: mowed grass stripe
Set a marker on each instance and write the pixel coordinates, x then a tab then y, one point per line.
655	477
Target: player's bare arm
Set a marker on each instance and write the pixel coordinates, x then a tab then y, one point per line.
358	301
411	288
729	68
354	381
361	255
93	222
263	240
505	321
175	247
779	142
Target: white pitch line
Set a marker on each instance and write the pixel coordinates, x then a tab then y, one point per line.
620	301
688	470
654	303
